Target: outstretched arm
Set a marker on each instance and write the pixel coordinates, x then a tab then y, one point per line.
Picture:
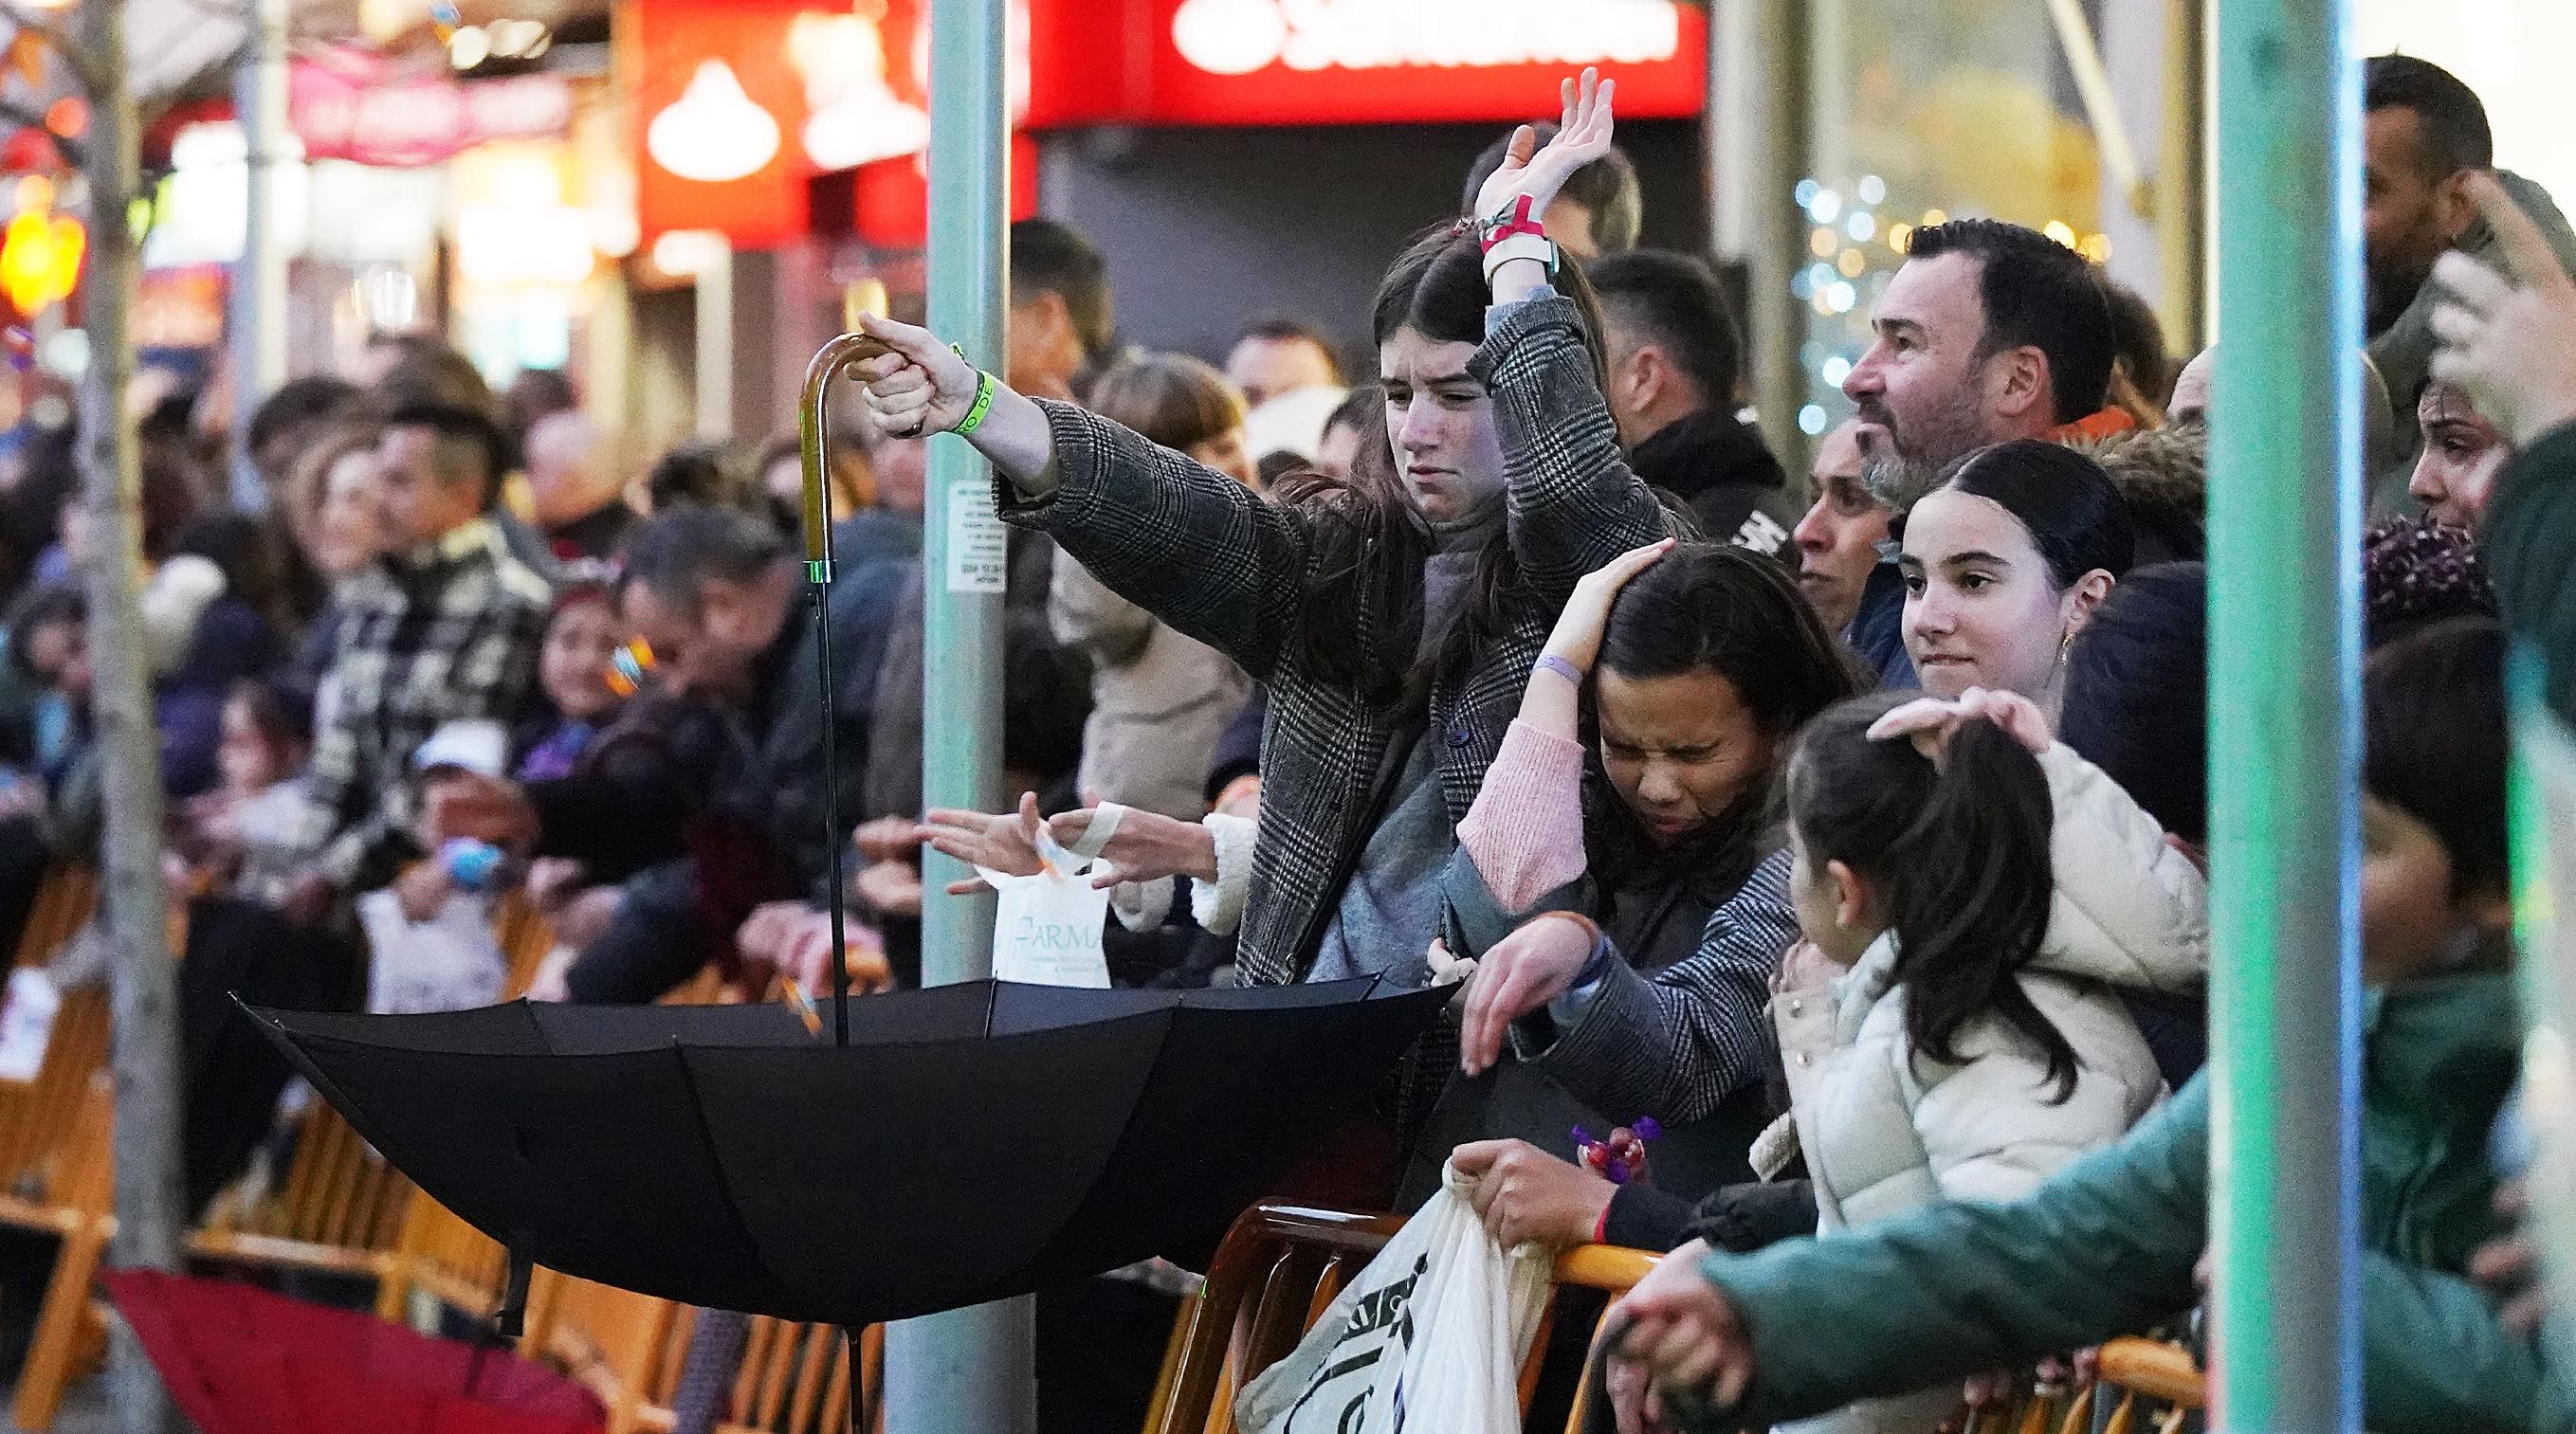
1186	543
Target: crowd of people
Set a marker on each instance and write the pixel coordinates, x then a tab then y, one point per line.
1850	829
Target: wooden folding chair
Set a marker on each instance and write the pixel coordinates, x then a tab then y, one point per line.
439	1257
2161	1375
615	1342
340	1208
77	1203
1277	1271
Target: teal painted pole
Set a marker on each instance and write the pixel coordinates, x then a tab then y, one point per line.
2284	540
968	1371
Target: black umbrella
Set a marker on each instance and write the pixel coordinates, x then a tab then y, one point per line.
970	1143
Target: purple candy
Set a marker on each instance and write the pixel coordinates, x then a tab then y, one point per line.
1646	1128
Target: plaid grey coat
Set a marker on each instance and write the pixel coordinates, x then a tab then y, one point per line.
1223	565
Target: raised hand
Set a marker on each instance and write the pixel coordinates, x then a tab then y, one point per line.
1931	721
1577	638
2509	339
920	387
1145	847
1582	136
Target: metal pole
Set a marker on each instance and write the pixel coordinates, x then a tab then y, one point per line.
969	1371
1758	63
2284	539
259	279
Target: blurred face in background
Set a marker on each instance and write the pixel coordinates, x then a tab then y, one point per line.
58	652
1229	453
573	666
1838	539
2455	474
429	485
1440	426
1265	367
2410	210
1337	450
346	530
569	473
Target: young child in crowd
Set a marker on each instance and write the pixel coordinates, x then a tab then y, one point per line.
2109	1247
241	838
572	668
1970	893
430	943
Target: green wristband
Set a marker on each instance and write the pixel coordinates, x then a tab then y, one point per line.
974	419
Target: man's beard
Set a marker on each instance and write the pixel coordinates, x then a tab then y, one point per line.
1909	464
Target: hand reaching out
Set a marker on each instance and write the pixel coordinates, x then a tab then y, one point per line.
1683	1330
2509	339
918	388
1932	721
1582	136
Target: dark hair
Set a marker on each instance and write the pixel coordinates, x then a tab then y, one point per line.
1356	406
2034	291
254	558
169	503
678	549
2162	476
1675	302
2136	700
310	401
1050	257
1959	853
1172	399
2435	746
2447	112
1716	608
699	472
467	429
1361	627
1607	188
282	712
2138	343
1046	699
2415	571
45	605
1293	328
2062	498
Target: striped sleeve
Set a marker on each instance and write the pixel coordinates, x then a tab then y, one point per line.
1678	1044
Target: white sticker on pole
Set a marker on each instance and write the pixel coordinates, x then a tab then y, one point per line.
979	547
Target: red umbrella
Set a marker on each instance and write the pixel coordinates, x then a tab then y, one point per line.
240	1360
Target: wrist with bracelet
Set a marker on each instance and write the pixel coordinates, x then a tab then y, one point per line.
1514	234
1602	949
985	384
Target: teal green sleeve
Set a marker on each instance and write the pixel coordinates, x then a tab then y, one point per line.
2529	544
2105	1248
2434	1360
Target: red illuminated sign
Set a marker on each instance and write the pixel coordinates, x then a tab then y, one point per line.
1289	62
717	106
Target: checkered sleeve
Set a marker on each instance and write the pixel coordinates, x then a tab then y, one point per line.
1678	1044
1574	502
488	629
1175	537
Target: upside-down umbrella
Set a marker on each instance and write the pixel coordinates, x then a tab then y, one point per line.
240	1360
969	1143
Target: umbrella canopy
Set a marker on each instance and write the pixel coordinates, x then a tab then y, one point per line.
239	1360
972	1142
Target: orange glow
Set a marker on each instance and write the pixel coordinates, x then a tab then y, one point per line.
40	258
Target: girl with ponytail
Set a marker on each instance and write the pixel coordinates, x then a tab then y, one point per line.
1971	895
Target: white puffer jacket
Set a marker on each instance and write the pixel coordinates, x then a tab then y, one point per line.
1884	1134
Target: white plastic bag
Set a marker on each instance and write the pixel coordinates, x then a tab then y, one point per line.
1046	931
450	962
1430	1337
27	1024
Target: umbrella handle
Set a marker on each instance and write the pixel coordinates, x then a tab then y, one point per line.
811	434
511	1320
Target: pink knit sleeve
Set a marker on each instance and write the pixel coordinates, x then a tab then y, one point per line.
1525	832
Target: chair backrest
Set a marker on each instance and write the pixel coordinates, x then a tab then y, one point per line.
38	1116
2160	1375
1277	1271
525	937
438	1255
794	1378
338	1195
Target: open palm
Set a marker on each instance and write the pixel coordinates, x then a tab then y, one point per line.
1582	136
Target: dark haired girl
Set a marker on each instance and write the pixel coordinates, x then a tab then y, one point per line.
2004	562
1970	895
1689	670
1394	617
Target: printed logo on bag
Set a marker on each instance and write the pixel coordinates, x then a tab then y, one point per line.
1380	1326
